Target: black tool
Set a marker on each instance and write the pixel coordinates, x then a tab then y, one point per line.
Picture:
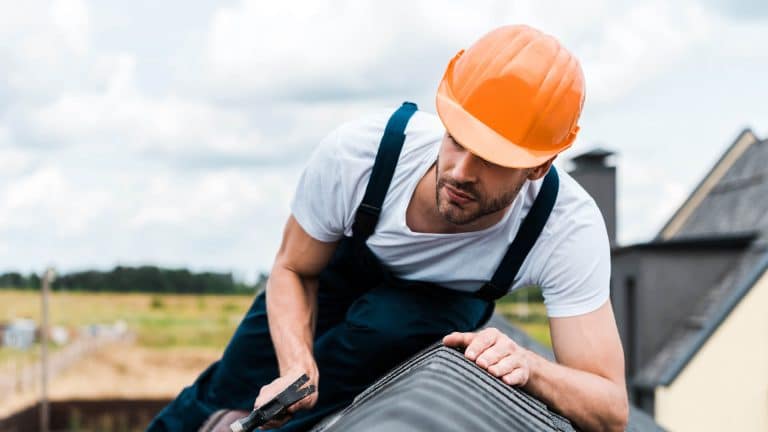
275	407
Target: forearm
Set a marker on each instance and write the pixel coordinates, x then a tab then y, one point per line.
590	401
291	313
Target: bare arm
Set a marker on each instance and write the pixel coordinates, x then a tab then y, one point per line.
291	298
587	382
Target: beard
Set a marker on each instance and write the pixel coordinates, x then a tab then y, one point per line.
481	204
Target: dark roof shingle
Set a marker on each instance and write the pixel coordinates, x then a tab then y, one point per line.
736	204
439	389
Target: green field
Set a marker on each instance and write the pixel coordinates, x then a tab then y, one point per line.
166	321
159	321
532	318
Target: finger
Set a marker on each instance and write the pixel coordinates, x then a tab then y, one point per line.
266	393
306	403
480	343
269	391
493	354
458	340
517	377
275	423
506	366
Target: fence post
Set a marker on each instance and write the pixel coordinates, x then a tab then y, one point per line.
44	414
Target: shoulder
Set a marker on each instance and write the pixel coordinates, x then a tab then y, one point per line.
351	148
359	138
334	180
575	211
573	263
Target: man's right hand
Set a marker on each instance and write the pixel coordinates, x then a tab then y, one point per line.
291	298
272	389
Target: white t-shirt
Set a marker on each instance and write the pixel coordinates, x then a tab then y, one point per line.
570	261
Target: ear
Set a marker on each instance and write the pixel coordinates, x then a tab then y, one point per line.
540	171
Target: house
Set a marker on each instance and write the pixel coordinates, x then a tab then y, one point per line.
20	334
692	304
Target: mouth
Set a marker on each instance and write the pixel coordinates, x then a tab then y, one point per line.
457	196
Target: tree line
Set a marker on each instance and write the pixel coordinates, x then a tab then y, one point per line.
138	279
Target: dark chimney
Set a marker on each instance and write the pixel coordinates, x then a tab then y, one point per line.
595	173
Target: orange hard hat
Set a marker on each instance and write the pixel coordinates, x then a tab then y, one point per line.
513	98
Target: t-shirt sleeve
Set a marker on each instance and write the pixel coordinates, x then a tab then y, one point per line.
576	278
319	203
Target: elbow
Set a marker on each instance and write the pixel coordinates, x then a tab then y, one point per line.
622	420
618	417
613	417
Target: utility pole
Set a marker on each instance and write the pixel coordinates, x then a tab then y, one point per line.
44	414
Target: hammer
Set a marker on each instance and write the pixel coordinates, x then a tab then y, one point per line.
275	407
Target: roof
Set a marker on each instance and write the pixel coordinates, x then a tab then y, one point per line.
666	366
731	201
745	139
595	156
597	152
439	389
737	241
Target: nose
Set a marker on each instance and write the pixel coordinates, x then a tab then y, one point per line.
465	169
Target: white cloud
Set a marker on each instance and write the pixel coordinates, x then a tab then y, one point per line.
43	45
13	161
70	17
5	135
38	188
639	44
85	142
645	203
121	115
336	49
47	201
212	199
332	49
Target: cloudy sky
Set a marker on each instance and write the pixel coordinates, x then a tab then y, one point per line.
173	132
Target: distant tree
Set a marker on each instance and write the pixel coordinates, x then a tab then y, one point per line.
33	281
261	282
13	280
138	279
530	294
151	279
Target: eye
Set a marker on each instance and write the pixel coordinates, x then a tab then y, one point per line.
455	143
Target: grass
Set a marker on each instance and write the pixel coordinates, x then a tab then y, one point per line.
530	317
159	321
167	321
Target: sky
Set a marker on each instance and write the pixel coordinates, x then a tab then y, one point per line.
173	133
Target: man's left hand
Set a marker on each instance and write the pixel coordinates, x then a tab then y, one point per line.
495	352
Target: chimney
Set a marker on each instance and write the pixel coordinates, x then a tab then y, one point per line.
596	173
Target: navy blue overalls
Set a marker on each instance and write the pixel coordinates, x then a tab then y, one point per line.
368	320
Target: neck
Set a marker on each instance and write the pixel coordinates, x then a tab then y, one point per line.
422	214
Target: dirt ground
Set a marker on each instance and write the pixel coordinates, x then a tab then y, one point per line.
122	370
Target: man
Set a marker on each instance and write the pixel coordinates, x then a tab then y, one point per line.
405	230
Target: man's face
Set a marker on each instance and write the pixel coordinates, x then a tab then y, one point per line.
469	187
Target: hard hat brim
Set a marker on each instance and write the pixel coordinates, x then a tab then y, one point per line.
483	141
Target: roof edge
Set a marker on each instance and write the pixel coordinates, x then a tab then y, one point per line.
712	325
743	141
736	241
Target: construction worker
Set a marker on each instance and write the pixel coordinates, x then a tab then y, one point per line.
405	229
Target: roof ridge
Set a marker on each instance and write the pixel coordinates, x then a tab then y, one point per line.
742	142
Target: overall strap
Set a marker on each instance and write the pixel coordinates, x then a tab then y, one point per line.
526	237
367	215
